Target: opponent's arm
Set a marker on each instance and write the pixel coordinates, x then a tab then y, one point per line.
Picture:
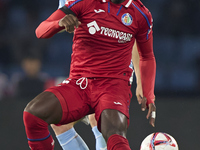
61	3
62	18
136	60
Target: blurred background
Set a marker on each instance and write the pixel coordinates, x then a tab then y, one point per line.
29	65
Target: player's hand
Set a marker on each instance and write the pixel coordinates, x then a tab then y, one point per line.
139	93
69	22
151	115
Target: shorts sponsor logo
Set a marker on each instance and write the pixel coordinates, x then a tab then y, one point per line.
117	103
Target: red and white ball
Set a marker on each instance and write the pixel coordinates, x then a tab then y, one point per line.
159	141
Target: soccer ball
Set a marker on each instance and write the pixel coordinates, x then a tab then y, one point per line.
159	141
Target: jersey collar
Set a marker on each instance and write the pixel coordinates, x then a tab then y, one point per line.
126	3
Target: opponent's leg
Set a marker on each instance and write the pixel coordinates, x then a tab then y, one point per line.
42	110
100	141
114	128
68	138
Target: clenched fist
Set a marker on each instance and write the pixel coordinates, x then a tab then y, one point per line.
69	22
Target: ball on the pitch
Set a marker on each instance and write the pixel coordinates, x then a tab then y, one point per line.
159	141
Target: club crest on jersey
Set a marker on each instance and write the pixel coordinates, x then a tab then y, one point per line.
127	19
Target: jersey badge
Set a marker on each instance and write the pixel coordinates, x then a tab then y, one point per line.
127	19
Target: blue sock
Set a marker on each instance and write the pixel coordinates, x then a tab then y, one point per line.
70	140
100	141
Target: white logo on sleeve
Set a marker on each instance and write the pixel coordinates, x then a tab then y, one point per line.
93	27
117	103
98	11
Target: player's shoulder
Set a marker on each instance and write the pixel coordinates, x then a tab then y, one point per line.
77	1
141	8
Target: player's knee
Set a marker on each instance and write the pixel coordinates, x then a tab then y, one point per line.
37	110
46	107
29	120
32	122
33	108
113	131
37	130
93	121
61	129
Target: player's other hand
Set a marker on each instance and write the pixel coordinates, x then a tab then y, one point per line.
151	115
69	22
139	93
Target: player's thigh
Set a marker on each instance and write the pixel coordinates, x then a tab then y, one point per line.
74	101
45	106
116	97
113	122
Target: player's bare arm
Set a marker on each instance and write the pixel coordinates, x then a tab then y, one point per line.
136	60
